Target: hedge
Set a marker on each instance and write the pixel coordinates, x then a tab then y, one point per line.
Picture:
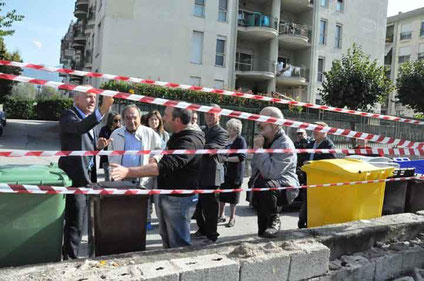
42	109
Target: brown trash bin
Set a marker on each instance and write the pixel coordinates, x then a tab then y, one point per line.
415	196
395	192
118	221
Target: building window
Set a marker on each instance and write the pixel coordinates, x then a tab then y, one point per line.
421	52
321	62
404	54
340	6
422	29
403	59
323	32
318	102
339	30
218	84
222	10
195	81
199	8
220	52
197	47
324	3
405	32
244	62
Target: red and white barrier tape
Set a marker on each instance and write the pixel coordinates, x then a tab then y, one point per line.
41	189
363	151
206	90
225	112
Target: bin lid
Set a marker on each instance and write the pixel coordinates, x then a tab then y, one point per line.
345	167
34	174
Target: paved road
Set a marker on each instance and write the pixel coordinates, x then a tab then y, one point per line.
43	135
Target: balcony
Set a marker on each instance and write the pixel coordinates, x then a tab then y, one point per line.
91	19
81	9
294	36
256	71
297	6
290	75
78	46
256	26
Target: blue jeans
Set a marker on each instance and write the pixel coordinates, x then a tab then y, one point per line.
174	219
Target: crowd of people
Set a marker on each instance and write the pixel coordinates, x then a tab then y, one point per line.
179	129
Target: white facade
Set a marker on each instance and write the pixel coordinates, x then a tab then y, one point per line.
263	45
404	42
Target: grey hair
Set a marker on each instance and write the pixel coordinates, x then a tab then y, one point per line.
131	106
273	111
235	124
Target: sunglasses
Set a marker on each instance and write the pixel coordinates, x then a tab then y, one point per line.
117	120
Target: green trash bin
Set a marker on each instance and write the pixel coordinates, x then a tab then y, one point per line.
31	225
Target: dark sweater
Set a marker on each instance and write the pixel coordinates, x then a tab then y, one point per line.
181	171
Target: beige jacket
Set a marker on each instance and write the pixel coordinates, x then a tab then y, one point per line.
151	141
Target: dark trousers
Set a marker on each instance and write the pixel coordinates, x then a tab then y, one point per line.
76	208
266	203
76	216
303	212
207	215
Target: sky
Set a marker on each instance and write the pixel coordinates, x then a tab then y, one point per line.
38	36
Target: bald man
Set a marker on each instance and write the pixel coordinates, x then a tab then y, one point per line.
271	171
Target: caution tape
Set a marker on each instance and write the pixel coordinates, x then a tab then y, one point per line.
207	90
41	189
210	109
363	151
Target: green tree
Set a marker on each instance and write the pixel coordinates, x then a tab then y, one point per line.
6	85
23	91
355	81
410	85
6	20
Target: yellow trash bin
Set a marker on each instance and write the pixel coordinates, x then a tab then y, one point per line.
338	204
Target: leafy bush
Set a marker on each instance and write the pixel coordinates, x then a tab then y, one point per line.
52	108
19	108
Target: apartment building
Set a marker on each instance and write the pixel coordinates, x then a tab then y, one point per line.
257	45
404	42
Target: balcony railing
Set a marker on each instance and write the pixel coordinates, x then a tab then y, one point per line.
256	19
259	66
291	28
290	71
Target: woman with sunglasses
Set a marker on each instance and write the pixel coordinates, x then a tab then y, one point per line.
113	122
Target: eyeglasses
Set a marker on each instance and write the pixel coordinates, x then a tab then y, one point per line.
117	120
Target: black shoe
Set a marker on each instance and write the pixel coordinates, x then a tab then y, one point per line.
271	232
197	235
301	224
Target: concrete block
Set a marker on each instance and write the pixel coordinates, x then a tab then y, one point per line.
207	268
359	272
388	266
413	258
155	271
159	271
265	267
311	260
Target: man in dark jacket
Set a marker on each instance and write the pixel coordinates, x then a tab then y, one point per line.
174	172
321	142
211	177
77	133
